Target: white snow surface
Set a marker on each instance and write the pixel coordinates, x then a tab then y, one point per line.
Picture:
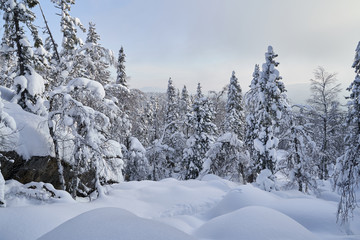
33	134
210	209
95	87
33	82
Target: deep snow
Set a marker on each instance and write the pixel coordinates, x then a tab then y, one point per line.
210	209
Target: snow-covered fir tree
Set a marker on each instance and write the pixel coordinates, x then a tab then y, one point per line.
348	165
157	154
201	139
251	122
172	111
69	26
270	108
299	165
218	101
173	136
227	156
79	135
92	60
185	112
234	119
7	60
70	42
326	118
29	85
137	166
121	74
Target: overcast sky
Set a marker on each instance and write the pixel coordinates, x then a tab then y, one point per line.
205	40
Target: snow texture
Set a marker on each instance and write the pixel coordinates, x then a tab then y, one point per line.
30	127
95	87
212	209
33	82
114	223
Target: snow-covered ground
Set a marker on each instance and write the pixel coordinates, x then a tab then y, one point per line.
211	209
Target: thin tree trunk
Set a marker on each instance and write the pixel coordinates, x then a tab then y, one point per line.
50	35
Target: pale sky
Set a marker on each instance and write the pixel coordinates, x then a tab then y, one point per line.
205	40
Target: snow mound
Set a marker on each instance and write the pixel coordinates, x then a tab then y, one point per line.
240	197
254	223
113	223
30	127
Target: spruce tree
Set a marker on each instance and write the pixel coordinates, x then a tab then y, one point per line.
234	119
93	60
251	103
69	26
28	84
348	165
70	42
185	112
137	166
92	36
204	135
268	113
172	111
227	156
173	137
121	74
299	164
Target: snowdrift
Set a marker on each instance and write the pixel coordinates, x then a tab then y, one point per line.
113	224
256	223
210	209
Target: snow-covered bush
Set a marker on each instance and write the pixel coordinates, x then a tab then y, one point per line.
137	165
266	180
227	158
37	192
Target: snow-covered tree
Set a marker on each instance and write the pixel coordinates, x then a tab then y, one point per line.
7	141
70	42
270	108
251	104
28	84
218	101
172	111
299	164
121	74
234	119
7	61
158	154
348	165
185	112
79	135
204	135
227	158
69	26
173	136
137	166
92	60
326	118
